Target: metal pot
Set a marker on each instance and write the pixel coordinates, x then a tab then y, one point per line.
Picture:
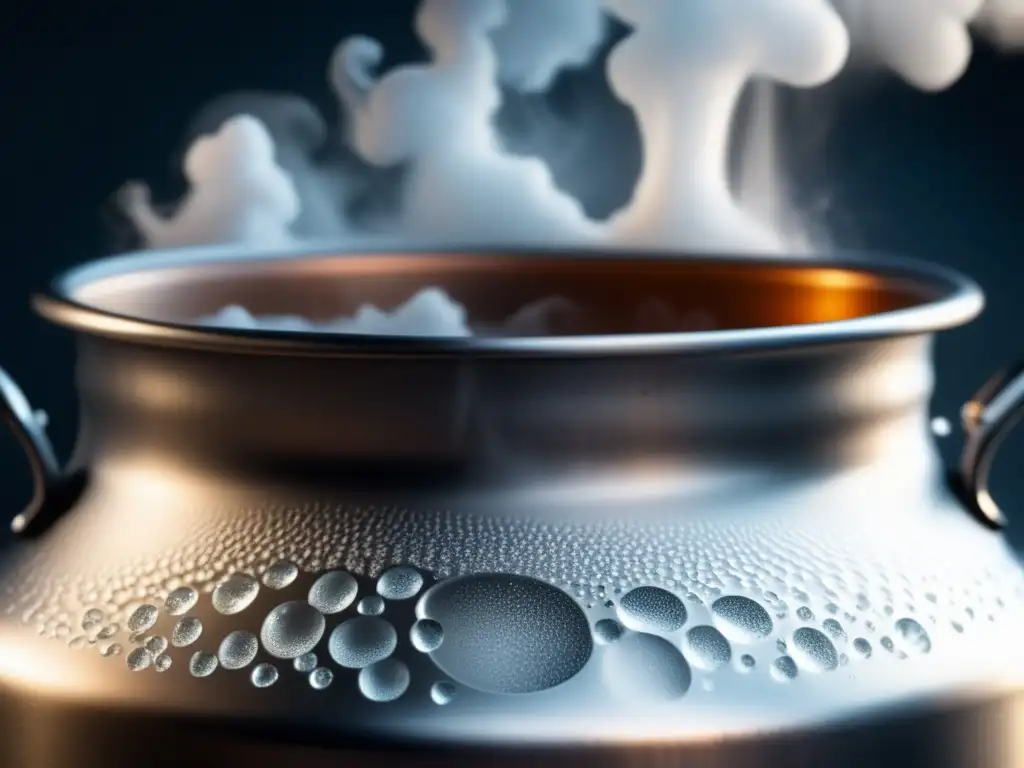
734	547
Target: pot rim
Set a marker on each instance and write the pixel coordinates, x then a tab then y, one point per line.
958	301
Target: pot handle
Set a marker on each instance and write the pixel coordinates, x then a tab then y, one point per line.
987	419
55	490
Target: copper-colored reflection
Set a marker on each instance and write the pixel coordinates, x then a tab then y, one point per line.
737	294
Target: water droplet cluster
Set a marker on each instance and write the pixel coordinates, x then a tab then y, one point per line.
654	611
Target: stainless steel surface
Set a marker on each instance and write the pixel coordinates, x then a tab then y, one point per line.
538	487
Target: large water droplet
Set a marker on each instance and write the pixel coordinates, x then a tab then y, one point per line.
652	609
814	651
333	592
280	574
784	669
741	619
708	648
372	605
862	647
362	641
507	634
92	618
305	663
186	632
202	664
139	659
162	662
264	675
292	629
442	693
181	601
399	583
238	649
156	644
607	631
143	618
646	669
320	678
236	594
384	680
912	637
426	635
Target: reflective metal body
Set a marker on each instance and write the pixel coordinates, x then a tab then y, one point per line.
769	484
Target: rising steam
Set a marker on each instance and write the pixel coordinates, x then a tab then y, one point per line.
427	131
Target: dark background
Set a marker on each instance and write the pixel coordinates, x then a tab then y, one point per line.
104	93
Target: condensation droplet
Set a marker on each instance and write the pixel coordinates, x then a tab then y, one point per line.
235	594
333	592
186	632
202	664
280	575
708	648
384	680
813	651
645	668
913	638
741	619
263	675
238	649
835	630
108	632
399	583
156	644
371	606
292	629
442	693
162	662
320	678
77	643
862	647
113	649
426	635
804	613
305	663
143	618
139	659
92	618
607	631
747	662
181	601
652	609
784	669
506	633
362	641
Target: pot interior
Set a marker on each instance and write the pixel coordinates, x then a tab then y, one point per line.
714	293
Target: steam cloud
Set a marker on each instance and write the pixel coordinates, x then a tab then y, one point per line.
426	132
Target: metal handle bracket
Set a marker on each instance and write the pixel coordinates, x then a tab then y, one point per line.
55	490
987	419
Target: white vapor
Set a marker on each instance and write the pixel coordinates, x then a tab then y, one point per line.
540	38
427	132
1002	21
712	48
238	193
437	118
927	42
